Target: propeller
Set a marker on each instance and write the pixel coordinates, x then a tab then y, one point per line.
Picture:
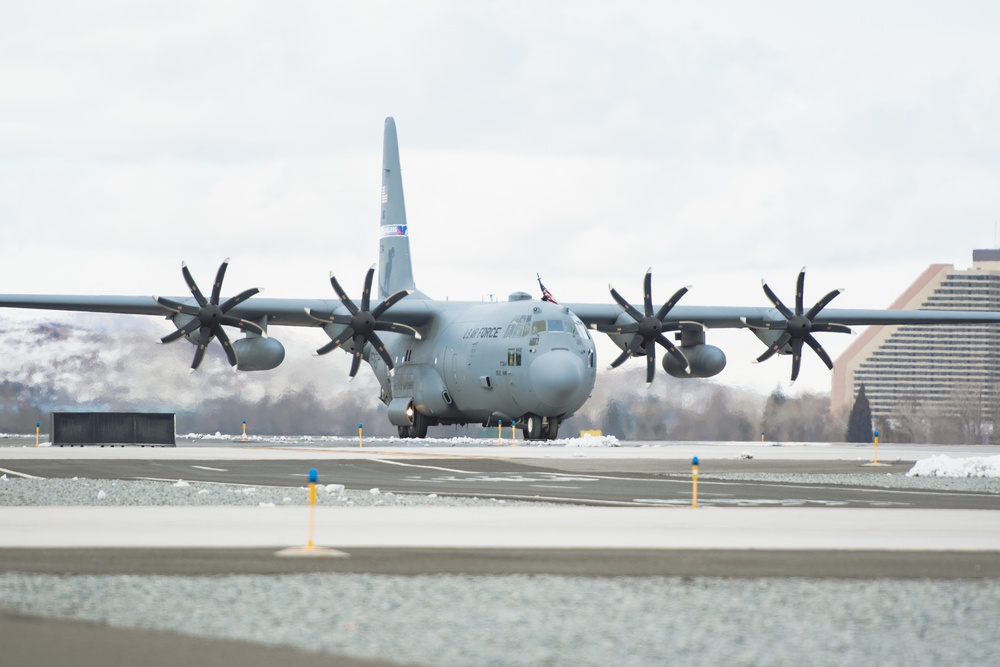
798	326
648	327
363	322
209	316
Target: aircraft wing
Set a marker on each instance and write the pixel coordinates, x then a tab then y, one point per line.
736	317
285	312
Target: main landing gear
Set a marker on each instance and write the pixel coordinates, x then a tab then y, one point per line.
416	430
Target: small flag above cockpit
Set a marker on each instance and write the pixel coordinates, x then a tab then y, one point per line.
546	294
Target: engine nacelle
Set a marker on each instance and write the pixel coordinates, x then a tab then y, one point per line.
256	353
705	361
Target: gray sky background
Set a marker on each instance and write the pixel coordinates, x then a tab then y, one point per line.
718	143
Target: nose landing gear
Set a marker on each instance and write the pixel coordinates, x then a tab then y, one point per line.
540	428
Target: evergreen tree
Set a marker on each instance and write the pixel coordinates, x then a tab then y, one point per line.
859	424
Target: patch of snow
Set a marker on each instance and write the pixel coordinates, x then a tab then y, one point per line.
101	495
181	483
946	466
374	492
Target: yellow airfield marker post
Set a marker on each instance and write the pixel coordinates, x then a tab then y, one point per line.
38	432
762	436
513	434
499	432
313	478
311	550
244	430
694	482
875	460
361	441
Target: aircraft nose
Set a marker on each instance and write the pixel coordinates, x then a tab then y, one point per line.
555	377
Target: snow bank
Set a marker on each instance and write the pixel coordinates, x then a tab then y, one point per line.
946	466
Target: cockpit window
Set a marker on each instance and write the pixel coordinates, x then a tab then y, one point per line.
570	325
519	327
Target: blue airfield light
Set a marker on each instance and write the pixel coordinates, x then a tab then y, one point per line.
313	475
694	461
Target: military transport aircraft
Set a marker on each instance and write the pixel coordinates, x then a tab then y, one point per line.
524	361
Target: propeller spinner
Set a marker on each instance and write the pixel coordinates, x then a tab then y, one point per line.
798	326
648	327
362	323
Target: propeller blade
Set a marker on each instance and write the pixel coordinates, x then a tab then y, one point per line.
380	348
800	288
343	296
336	342
366	296
818	349
243	325
203	340
822	303
766	325
321	316
193	286
396	327
617	329
835	328
223	338
217	286
390	301
776	301
239	298
670	303
796	357
647	293
672	349
176	306
777	346
359	352
183	331
650	363
629	349
633	313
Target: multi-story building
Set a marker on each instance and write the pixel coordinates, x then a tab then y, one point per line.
950	370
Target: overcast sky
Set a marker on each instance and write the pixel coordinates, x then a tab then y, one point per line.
719	143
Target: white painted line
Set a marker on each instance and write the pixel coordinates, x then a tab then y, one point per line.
211	469
19	474
417	465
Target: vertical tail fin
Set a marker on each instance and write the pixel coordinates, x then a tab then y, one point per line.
395	271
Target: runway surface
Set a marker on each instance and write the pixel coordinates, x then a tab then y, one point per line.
635	476
622	512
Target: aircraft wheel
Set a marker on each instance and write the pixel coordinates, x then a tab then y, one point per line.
551	430
419	428
404	431
532	427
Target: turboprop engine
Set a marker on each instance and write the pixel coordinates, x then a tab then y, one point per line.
704	360
256	353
